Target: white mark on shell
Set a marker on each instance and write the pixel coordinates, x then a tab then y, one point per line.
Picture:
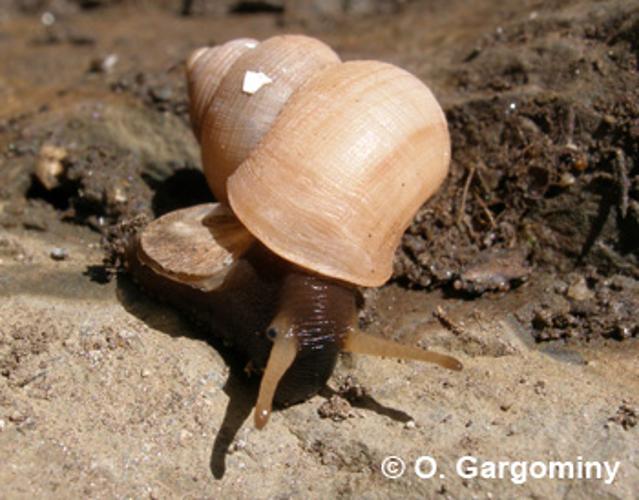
254	81
250	45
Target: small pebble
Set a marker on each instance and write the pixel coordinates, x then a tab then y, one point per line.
237	445
103	64
185	436
17	417
161	94
410	424
58	253
542	319
336	408
117	195
50	166
579	290
567	179
47	19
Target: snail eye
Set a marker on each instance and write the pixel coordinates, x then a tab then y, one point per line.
271	333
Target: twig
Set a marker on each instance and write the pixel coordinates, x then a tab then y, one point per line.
480	177
462	207
446	322
28	380
489	214
570	128
622	181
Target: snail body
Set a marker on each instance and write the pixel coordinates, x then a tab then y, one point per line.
249	300
319	166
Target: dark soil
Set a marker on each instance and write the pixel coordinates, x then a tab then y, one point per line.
545	149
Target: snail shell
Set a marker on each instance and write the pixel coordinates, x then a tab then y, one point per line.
330	180
319	167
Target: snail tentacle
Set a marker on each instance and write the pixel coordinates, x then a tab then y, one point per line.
281	358
359	342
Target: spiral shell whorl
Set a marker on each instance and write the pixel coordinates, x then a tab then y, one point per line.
229	120
205	69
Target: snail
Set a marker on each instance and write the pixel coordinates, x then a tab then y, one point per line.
318	167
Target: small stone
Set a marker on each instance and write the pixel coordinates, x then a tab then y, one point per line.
542	319
58	253
410	424
145	372
351	390
103	64
184	436
2	424
560	287
336	408
626	416
621	332
237	445
567	179
117	195
579	290
49	166
47	18
17	417
161	94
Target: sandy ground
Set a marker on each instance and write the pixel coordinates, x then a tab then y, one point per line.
106	393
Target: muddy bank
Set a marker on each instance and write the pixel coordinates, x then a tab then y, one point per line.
524	265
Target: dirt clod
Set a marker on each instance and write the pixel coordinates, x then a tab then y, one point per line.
626	416
336	408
